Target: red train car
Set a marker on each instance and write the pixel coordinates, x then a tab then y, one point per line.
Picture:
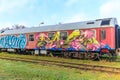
87	38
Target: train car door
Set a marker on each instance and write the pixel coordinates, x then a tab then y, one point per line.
117	36
102	37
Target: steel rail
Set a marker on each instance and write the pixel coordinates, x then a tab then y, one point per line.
68	65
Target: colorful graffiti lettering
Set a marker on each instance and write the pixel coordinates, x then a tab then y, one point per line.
76	40
12	41
45	42
41	39
89	40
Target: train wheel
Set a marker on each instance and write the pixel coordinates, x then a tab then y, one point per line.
107	56
92	55
66	54
75	54
81	55
71	54
50	54
95	56
114	56
86	55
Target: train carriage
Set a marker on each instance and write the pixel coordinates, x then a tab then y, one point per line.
78	39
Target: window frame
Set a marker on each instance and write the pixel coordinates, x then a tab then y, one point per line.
63	37
31	38
52	35
103	34
105	22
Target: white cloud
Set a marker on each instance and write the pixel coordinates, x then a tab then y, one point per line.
9	8
10	5
110	9
71	2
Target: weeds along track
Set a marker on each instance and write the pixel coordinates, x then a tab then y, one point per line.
67	64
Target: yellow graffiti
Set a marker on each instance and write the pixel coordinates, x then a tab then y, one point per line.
41	39
90	41
74	39
73	35
39	43
56	36
94	41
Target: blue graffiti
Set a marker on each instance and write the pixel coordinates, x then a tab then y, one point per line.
12	41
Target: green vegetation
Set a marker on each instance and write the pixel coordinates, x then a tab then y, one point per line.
102	63
11	70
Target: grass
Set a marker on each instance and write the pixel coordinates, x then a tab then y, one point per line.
101	63
11	70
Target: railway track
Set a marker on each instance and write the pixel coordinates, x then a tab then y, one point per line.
112	70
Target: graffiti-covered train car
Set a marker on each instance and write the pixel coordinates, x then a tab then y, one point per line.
79	39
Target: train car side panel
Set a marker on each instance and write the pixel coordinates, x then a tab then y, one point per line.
69	40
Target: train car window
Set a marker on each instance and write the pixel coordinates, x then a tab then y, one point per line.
105	22
51	35
103	34
63	35
31	37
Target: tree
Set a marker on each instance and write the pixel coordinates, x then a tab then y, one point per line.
16	26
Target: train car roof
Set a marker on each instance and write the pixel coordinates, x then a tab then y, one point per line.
107	22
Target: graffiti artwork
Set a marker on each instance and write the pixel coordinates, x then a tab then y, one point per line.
77	40
12	41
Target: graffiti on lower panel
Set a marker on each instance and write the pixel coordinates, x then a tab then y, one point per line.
12	41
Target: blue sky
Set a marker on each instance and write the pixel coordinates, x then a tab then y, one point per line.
33	12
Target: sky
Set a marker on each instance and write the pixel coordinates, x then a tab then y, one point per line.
31	13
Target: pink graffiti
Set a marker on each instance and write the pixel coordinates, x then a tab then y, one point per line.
88	34
92	46
62	42
76	44
102	43
51	45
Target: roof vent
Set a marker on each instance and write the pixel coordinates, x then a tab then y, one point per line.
90	22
